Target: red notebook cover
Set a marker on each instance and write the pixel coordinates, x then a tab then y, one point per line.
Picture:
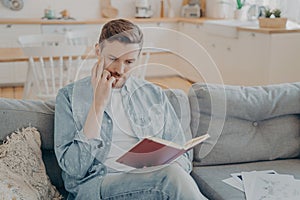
149	153
156	151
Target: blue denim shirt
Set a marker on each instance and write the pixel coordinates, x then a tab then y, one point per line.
81	159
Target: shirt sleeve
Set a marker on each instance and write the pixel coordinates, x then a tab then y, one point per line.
74	151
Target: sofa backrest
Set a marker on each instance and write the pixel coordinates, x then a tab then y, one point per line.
16	114
259	123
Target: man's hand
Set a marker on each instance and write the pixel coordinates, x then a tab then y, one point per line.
102	83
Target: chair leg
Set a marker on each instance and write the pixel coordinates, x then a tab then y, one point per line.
28	83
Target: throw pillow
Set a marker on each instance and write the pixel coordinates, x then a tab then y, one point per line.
22	171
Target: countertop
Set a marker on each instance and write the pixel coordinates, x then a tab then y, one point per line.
141	20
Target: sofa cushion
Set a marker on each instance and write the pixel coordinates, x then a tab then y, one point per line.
15	114
258	122
22	171
209	178
180	103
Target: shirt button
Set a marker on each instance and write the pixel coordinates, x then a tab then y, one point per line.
102	172
99	145
109	121
255	124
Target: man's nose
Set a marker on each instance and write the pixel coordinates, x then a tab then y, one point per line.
120	68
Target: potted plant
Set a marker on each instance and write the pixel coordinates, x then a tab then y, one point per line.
240	4
238	12
272	19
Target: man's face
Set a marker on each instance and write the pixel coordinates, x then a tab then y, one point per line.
119	59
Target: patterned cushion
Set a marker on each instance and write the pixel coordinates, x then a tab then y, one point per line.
22	171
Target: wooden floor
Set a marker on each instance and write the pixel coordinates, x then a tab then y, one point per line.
164	82
12	92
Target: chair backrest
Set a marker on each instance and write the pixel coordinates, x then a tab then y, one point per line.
82	37
42	40
89	38
51	67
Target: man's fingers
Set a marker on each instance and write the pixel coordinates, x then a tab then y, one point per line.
98	69
106	75
112	80
101	65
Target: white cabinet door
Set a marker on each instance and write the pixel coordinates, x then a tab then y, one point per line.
285	58
192	30
251	58
241	61
162	36
9	33
63	28
195	64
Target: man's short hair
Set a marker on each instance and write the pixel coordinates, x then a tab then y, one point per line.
121	30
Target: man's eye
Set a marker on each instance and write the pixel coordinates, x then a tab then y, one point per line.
129	62
113	59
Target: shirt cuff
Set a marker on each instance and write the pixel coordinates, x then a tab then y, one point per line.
93	145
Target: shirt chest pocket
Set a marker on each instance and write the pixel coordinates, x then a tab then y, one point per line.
150	121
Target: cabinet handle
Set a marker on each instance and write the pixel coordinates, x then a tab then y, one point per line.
253	34
213	45
228	48
8	26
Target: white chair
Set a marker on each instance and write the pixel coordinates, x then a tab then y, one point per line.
88	38
52	67
82	37
42	40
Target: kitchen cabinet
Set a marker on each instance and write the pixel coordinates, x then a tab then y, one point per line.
14	73
63	28
9	33
284	58
242	60
251	58
160	35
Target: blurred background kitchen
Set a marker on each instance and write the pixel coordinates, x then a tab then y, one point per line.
90	9
245	53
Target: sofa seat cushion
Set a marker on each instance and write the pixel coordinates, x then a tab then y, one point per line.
209	178
246	124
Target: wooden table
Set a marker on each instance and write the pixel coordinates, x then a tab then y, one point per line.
12	55
16	54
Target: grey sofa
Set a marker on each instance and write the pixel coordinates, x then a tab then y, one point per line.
251	128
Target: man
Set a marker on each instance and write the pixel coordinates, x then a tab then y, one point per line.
99	118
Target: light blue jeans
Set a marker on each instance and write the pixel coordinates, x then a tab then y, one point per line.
170	182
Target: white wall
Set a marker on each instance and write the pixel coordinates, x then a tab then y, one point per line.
80	9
